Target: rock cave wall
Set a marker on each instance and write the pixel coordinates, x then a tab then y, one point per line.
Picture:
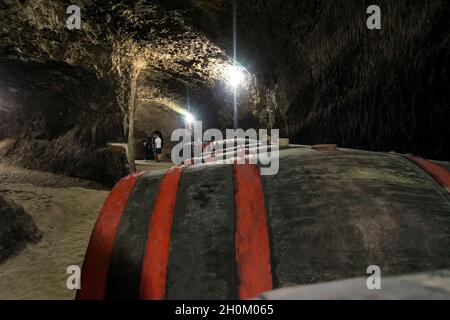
59	118
17	229
331	80
327	77
118	44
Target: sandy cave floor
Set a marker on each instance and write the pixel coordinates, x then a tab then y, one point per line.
65	210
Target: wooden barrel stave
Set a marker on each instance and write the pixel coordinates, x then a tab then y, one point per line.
131	239
333	215
202	258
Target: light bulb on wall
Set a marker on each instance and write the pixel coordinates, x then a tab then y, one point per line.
235	75
189	118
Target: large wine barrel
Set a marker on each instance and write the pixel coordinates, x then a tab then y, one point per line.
225	232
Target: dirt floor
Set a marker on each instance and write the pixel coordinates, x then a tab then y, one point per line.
144	165
65	210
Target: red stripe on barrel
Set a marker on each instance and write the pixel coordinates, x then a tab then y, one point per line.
441	175
98	256
252	237
154	268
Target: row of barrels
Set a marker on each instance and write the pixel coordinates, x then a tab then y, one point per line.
218	231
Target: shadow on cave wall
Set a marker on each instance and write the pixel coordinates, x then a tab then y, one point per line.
59	118
335	81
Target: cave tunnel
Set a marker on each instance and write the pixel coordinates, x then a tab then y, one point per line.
358	110
128	62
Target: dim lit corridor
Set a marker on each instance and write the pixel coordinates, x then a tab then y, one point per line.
92	96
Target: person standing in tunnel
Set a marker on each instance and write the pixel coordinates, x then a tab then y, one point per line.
158	147
149	144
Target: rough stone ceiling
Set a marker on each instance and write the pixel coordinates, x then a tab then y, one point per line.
119	40
315	62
